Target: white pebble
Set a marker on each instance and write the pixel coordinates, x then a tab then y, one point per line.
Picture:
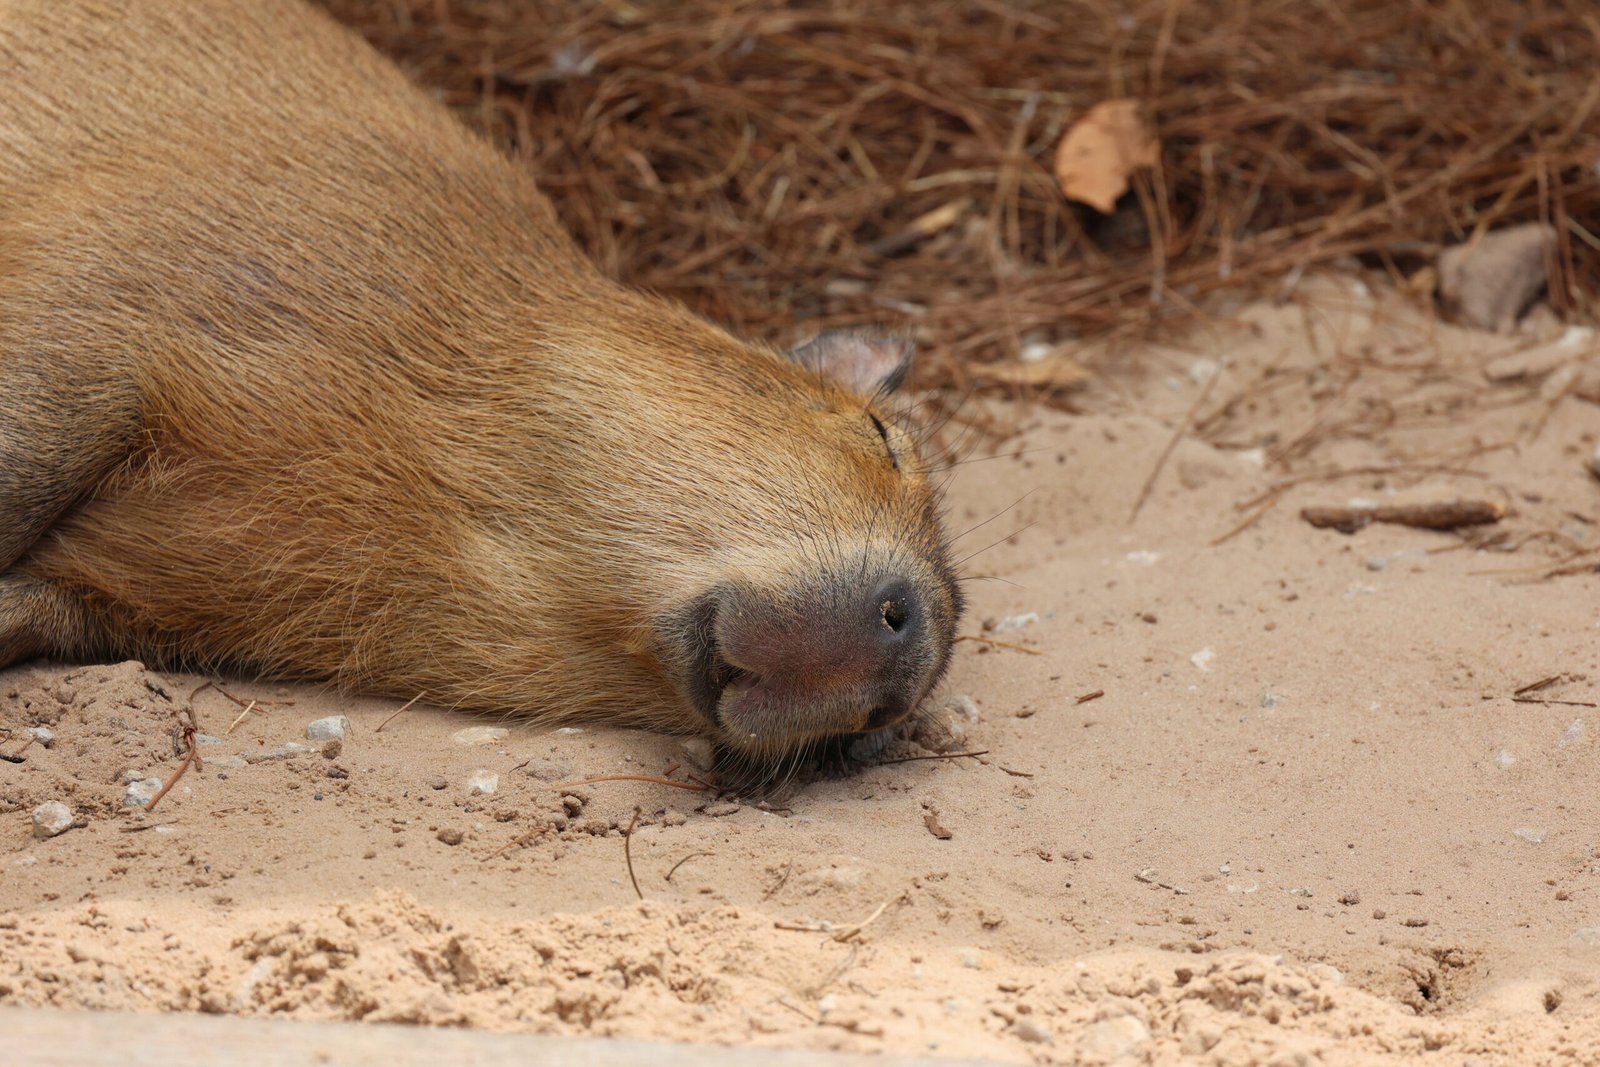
1203	658
332	728
827	1004
51	818
140	792
1146	558
479	735
1504	760
970	957
1016	622
1572	734
482	783
569	731
43	735
1533	837
1112	1039
962	707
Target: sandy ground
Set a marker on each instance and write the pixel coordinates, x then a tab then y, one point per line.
1263	801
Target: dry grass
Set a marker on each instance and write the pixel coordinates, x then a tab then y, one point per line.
764	162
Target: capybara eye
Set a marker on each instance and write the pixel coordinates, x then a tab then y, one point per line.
883	432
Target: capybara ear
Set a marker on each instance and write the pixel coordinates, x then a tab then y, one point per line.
861	362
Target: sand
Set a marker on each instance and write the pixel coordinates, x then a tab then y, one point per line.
1259	802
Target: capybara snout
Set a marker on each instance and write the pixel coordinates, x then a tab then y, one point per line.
301	378
822	653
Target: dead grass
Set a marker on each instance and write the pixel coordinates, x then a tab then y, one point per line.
769	163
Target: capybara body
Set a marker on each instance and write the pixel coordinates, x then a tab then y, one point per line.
300	377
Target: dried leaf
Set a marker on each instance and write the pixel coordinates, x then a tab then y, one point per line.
1101	149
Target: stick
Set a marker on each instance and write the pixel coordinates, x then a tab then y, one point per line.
193	756
1177	435
939	755
685	859
240	718
1442	516
634	778
1000	644
397	711
627	850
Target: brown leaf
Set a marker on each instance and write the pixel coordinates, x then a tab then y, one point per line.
1101	149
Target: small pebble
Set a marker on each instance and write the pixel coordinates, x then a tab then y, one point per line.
1573	734
1029	1030
140	792
332	728
1270	700
42	735
65	693
1203	658
450	835
440	783
1594	463
549	770
970	957
482	783
1504	760
479	735
331	749
720	809
51	818
1112	1039
1013	623
1532	836
962	707
1350	899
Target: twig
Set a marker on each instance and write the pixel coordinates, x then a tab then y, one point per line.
938	755
685	859
1534	687
396	712
520	841
1000	644
203	686
627	850
1177	435
192	756
1568	703
654	779
239	719
1096	695
782	881
1446	515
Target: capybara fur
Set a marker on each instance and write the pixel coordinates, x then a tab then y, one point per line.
300	377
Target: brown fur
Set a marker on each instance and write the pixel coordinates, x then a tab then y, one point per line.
297	375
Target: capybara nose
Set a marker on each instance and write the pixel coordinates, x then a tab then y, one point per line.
835	655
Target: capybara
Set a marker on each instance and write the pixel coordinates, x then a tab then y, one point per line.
302	378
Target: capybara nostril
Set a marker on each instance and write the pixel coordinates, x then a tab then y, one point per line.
895	609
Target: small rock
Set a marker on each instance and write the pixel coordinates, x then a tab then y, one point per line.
65	694
718	810
440	783
482	783
140	792
697	753
962	707
547	770
42	735
1203	658
450	835
224	763
1594	462
1533	837
332	728
51	818
970	957
1487	284
570	731
1504	760
1572	734
331	749
1012	623
479	735
1270	699
1114	1038
1350	899
827	1003
1028	1029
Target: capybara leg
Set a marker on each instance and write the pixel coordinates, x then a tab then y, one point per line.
41	619
63	428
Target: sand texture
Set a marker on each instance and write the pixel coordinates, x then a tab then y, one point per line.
1268	801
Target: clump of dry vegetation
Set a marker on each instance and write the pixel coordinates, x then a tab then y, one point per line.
784	167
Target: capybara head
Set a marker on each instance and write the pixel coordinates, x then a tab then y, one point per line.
820	600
